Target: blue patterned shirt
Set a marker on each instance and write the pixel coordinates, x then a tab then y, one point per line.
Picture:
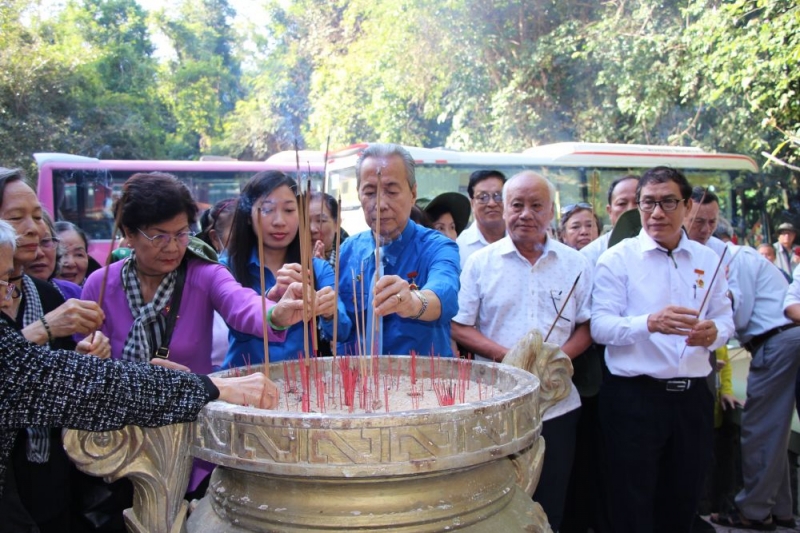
423	254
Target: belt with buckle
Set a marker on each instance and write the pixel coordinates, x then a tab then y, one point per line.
668	385
757	341
673	384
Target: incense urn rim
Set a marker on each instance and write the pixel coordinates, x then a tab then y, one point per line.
379	443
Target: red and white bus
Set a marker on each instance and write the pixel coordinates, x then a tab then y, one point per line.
581	172
81	189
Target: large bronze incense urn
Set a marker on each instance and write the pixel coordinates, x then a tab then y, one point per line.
468	467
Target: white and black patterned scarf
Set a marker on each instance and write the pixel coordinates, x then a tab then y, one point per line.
149	322
37	449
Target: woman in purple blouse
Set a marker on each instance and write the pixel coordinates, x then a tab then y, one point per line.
156	213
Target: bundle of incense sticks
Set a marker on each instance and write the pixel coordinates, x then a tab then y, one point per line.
262	279
306	260
337	244
114	230
375	322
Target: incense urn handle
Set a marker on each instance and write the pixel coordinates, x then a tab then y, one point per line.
554	370
156	460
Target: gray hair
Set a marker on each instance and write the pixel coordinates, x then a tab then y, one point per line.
551	189
383	150
8	236
724	229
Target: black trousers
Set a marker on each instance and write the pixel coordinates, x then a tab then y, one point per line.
583	506
657	447
559	452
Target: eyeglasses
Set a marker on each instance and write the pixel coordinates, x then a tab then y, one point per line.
667	204
162	240
555	296
484	197
9	288
567	209
49	243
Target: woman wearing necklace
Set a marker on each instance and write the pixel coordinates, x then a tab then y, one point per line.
40	495
159	303
61	388
36	307
156	213
270	199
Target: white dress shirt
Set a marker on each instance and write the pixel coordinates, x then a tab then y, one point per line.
759	304
470	241
793	292
595	249
505	296
636	278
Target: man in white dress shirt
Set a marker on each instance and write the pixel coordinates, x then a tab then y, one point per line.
485	192
656	409
621	198
519	283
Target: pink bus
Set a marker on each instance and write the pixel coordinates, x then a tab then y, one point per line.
81	189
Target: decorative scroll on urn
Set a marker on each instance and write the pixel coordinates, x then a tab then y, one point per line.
156	460
464	467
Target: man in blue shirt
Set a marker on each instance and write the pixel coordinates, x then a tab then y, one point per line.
417	294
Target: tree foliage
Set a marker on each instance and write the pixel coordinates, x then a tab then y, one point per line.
465	74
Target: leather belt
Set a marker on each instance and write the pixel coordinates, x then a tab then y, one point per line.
668	385
757	341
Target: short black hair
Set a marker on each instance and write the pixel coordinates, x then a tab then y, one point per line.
329	201
703	196
617	181
480	175
665	175
149	198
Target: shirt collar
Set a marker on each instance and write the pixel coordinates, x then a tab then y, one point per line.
648	244
507	246
253	260
394	250
473	234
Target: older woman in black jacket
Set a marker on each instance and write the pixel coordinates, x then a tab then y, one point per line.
60	388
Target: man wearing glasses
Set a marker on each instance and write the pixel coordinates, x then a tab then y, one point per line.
657	310
521	282
486	196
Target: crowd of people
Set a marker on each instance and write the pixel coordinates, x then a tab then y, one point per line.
645	317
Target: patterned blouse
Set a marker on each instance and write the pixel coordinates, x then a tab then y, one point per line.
65	389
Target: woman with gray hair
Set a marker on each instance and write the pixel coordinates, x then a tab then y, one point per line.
61	388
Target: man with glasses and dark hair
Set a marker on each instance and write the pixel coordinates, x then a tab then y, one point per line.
521	282
657	310
485	191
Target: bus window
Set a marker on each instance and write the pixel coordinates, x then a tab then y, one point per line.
581	172
82	190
